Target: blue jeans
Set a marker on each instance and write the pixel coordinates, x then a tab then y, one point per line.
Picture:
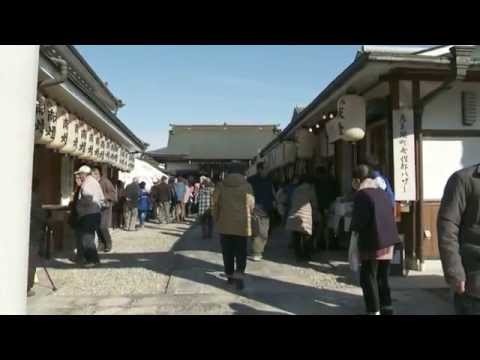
142	215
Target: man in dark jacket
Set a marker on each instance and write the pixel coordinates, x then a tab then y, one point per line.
458	228
110	194
161	198
264	204
132	192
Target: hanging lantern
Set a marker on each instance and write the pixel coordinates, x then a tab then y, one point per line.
101	153
60	130
82	139
86	142
46	121
70	141
96	146
352	114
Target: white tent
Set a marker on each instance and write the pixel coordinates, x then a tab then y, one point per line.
144	171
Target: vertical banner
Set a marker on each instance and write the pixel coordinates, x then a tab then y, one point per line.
404	155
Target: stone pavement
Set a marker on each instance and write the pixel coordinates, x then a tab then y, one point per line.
169	269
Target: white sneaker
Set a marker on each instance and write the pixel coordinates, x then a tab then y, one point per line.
256	258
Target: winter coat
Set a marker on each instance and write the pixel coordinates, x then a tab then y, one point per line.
384	184
91	199
458	228
132	192
144	201
263	192
109	191
180	191
303	209
373	219
233	204
160	193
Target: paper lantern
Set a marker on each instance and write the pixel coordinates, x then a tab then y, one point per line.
72	135
352	112
101	150
86	142
59	130
46	121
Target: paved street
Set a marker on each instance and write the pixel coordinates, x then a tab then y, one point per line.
169	269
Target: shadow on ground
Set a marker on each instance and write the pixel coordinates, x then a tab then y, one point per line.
283	295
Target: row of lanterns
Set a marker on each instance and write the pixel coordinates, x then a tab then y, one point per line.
347	123
60	130
349	120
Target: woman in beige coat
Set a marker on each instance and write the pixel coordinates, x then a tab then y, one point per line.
233	204
303	211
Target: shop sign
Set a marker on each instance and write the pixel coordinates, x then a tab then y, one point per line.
404	155
351	111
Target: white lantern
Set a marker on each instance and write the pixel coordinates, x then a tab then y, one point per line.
86	142
81	139
305	141
72	136
101	151
59	129
46	121
352	112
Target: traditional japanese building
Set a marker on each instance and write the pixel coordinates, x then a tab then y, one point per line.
205	149
76	124
416	110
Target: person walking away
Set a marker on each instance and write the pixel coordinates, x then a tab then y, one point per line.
173	199
110	194
143	204
233	204
375	225
205	196
89	206
154	199
196	191
73	221
327	191
180	192
458	229
264	194
303	210
132	192
161	194
188	200
38	221
119	207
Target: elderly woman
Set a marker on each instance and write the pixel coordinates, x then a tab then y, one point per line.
303	211
374	222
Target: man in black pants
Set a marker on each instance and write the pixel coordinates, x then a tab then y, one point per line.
110	194
233	204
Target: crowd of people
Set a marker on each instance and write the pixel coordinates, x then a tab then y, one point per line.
245	209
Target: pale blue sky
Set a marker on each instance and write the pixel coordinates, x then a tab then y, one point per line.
213	84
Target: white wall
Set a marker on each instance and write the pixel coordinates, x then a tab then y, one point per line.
18	89
445	111
442	157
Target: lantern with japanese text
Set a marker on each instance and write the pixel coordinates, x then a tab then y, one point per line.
96	146
351	110
60	132
70	141
82	139
131	162
101	149
86	145
46	121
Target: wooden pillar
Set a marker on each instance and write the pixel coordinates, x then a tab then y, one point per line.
417	119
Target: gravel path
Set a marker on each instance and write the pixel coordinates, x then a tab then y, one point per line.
169	269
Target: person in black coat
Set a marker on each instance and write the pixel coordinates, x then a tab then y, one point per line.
373	220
